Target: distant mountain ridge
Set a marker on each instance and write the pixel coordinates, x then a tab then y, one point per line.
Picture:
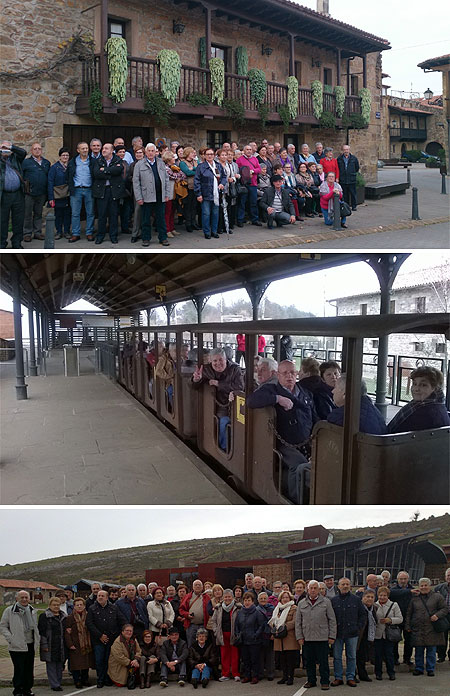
129	564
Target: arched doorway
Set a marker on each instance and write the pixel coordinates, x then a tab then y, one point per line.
433	148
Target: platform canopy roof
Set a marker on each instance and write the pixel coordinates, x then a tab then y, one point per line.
126	283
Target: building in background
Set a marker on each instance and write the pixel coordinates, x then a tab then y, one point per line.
442	64
40	592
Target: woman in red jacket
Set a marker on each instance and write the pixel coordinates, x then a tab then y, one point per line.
240	351
329	163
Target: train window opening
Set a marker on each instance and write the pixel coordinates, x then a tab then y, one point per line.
420	304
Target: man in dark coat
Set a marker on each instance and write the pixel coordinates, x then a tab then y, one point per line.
351	619
227	378
12	195
277	203
104	623
444	590
108	187
348	168
173	655
370	419
295	418
133	610
35	171
401	592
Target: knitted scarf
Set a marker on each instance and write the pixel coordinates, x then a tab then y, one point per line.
83	634
130	646
371	624
280	614
228	607
26	614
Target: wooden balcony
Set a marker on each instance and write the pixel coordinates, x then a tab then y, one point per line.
402	133
143	74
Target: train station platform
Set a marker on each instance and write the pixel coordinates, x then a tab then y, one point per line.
85	441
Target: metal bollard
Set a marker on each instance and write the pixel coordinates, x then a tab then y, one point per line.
408	176
415	204
443	187
336	212
49	242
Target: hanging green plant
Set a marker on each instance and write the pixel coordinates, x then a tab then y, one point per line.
117	52
241	60
258	84
284	114
198	99
317	98
366	103
354	121
235	111
217	71
327	120
328	89
170	71
202	51
339	92
263	112
292	96
96	104
156	104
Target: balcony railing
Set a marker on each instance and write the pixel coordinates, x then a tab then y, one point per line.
143	74
408	133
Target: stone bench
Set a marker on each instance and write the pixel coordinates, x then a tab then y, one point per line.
379	190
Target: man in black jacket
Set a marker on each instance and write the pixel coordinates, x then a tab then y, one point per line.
108	187
351	619
277	203
348	168
35	171
104	623
133	610
11	193
295	418
174	654
402	592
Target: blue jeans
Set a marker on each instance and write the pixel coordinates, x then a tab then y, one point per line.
350	657
204	674
328	219
76	200
431	657
101	653
180	669
292	460
223	422
253	200
210	218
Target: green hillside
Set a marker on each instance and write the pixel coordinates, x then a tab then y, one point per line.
120	565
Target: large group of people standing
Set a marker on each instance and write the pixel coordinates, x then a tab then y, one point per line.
130	191
136	636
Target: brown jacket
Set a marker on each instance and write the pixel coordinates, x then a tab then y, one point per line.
77	660
119	661
290	642
230	380
418	619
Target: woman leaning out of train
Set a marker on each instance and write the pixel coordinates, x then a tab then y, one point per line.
427	409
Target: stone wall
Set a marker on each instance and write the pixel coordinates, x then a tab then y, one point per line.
38	109
6	324
274	571
435	125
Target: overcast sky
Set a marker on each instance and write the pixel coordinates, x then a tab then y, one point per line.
36	534
415	30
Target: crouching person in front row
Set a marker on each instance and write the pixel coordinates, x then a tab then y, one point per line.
174	655
202	658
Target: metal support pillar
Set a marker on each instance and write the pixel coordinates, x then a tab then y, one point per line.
348	77
364	59
338	66
256	292
33	366
199	302
21	387
354	353
52	342
207	34
291	54
103	40
38	337
386	266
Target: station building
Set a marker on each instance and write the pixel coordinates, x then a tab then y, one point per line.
39	591
64	102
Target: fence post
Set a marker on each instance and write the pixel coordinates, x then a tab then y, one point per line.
443	186
415	204
336	212
408	176
49	242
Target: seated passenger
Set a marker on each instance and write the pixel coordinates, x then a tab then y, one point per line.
267	371
322	393
427	408
371	421
295	418
227	378
330	372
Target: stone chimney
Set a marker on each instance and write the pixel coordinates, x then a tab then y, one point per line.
323	7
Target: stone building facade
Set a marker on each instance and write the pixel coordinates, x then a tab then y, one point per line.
418	292
52	107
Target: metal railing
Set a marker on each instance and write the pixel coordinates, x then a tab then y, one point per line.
106	360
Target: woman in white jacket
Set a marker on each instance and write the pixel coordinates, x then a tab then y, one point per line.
388	614
160	613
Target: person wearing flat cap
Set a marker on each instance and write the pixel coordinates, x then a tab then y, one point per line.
277	203
331	586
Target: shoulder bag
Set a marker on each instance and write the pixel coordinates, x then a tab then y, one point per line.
440	625
346	211
392	633
280	632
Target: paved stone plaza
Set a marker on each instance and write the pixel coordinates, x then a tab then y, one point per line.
85	441
375	225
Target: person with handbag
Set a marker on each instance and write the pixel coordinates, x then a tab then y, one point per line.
124	658
149	659
209	180
366	638
305	184
233	177
58	194
248	633
444	589
387	632
327	190
249	168
282	624
316	181
176	177
223	626
427	621
160	611
188	166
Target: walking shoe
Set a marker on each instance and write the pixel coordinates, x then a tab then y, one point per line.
90	238
164	242
441	659
417	672
39	236
289	682
325	687
351	682
246	680
365	679
392	677
255	680
337	682
430	674
194	683
163	682
343	225
114	241
72	239
237	679
145	243
224	678
97	241
309	685
170	234
133	240
257	223
205	683
216	236
181	682
280	681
